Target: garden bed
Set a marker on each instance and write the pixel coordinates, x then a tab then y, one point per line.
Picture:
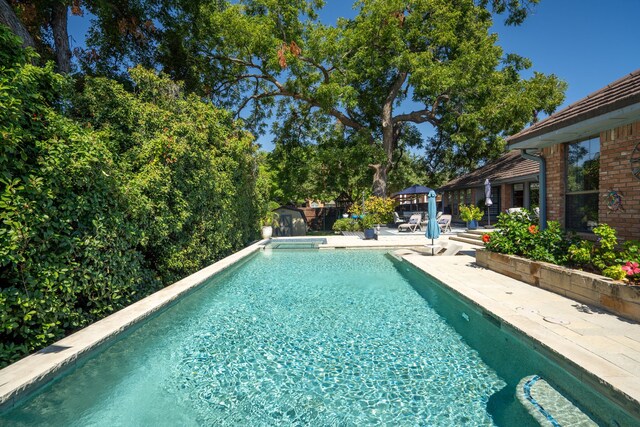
614	296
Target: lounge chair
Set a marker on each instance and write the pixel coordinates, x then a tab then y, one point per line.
397	220
445	223
413	224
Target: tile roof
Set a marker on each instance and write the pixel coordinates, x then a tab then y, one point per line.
509	166
617	95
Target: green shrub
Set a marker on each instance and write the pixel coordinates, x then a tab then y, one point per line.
107	195
346	224
188	170
67	250
470	213
615	272
518	234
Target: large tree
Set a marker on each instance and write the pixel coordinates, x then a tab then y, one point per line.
396	63
42	25
122	33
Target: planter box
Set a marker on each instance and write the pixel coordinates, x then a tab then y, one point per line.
591	289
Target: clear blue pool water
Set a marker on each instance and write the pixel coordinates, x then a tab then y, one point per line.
292	338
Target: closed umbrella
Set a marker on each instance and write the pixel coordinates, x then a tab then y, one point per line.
433	229
487	198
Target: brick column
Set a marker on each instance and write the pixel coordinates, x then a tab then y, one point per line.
616	146
555	158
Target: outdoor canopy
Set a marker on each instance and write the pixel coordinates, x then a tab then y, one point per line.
414	189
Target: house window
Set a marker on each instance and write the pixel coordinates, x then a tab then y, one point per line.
518	196
583	182
534	195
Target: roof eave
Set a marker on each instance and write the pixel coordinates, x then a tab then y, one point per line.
580	130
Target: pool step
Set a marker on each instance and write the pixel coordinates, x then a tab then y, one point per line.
473	237
468	238
548	406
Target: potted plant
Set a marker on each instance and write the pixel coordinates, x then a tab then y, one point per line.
379	210
471	214
269	220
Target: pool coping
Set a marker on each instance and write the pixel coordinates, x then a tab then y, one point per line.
27	375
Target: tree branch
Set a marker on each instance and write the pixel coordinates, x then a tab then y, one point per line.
425	115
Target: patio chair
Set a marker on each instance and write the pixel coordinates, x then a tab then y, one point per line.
397	220
413	224
445	223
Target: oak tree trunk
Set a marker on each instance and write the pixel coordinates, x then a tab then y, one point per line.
9	18
379	180
61	37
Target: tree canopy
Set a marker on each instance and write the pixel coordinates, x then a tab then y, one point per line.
394	65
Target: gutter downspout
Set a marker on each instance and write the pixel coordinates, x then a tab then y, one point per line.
542	178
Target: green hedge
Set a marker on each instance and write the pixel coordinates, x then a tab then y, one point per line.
107	195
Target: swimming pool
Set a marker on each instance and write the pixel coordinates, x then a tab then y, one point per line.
307	337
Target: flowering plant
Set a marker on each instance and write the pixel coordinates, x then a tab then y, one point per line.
631	268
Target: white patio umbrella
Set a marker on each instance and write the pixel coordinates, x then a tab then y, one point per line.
487	199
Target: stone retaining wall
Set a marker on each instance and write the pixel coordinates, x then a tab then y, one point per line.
592	289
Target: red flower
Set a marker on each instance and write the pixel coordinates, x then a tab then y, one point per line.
631	268
486	238
533	229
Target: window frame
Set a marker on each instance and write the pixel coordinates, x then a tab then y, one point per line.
568	194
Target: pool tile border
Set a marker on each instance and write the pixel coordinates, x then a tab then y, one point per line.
27	375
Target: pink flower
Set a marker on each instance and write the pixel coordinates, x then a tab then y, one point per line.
631	268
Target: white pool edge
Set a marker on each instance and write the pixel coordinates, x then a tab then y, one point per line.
27	375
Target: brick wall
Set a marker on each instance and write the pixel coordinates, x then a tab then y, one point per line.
616	146
555	158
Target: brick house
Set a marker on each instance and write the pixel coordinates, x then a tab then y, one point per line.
589	154
514	183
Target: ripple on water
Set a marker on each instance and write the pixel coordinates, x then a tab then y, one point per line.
290	338
329	339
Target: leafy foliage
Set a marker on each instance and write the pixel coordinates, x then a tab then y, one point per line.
183	163
107	195
67	251
518	234
368	73
347	224
607	256
470	213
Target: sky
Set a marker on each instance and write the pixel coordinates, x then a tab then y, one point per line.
586	43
